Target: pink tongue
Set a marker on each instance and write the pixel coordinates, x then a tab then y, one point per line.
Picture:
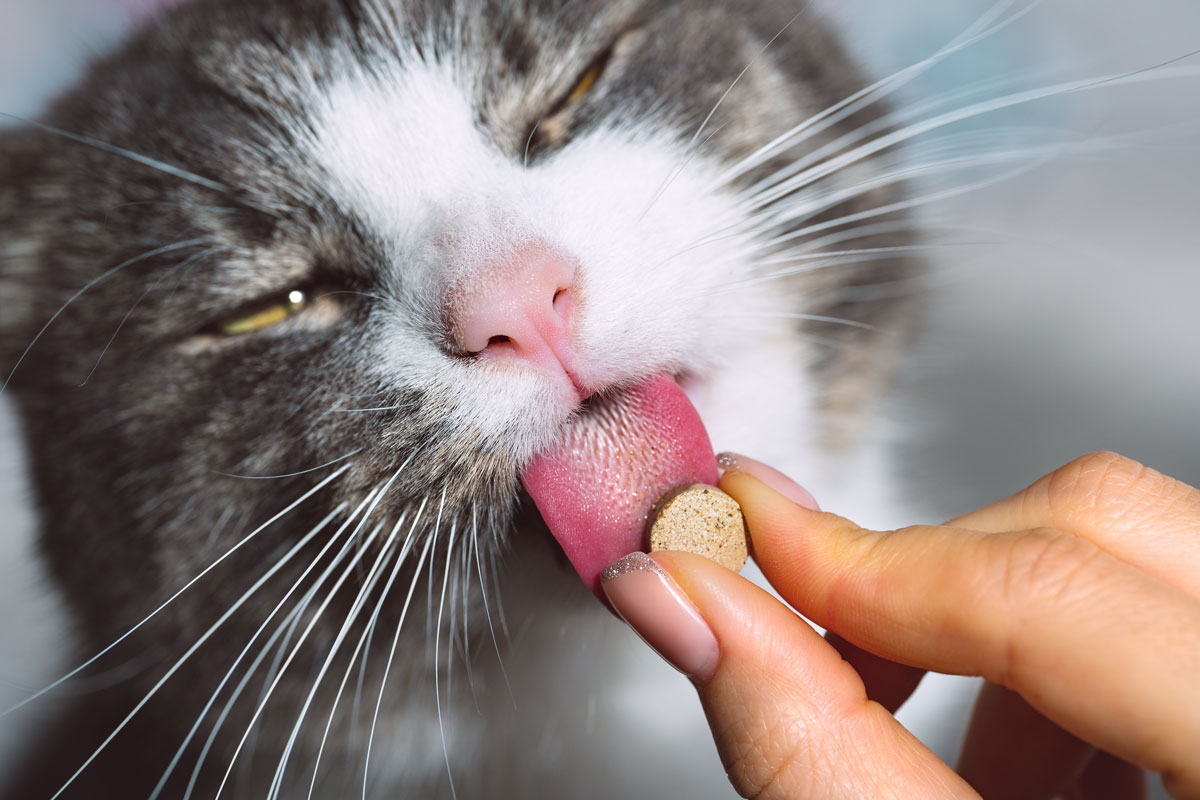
597	485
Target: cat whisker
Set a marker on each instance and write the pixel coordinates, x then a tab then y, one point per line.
901	205
807	317
286	628
229	674
895	138
495	573
395	641
674	175
692	143
170	672
104	275
976	32
153	163
174	596
364	645
466	556
746	69
145	294
483	591
291	474
350	568
827	261
368	583
437	638
372	578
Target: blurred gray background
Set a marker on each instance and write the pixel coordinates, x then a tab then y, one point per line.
1065	325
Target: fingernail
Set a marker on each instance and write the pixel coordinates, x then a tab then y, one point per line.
734	462
650	601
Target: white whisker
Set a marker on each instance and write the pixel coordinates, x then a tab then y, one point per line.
437	638
392	653
350	568
292	474
229	674
486	610
104	275
173	597
360	601
364	644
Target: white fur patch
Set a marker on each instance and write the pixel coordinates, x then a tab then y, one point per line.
638	212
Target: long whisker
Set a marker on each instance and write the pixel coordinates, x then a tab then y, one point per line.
373	575
350	568
145	294
364	643
356	607
170	672
978	31
292	474
153	163
162	782
671	176
486	610
392	653
106	274
467	556
289	624
437	638
173	597
937	122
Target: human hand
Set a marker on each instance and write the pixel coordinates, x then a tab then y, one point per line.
1078	599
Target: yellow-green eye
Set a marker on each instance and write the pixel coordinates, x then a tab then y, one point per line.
553	127
585	83
264	316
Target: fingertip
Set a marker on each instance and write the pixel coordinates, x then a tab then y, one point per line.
773	478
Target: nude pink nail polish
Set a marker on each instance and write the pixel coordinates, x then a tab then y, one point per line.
735	462
652	603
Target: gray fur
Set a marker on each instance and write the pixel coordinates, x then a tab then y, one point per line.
132	468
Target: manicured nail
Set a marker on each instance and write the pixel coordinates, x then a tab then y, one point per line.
650	601
734	462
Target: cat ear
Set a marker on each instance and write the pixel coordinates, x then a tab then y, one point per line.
20	240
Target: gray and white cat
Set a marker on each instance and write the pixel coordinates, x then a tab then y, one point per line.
322	278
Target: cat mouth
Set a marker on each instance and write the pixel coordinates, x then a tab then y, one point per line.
596	485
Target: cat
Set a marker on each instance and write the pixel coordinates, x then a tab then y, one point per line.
266	275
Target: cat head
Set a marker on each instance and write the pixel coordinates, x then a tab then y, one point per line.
273	243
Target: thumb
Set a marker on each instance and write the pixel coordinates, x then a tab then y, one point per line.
791	719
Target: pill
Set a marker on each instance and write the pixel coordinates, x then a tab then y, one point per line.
700	519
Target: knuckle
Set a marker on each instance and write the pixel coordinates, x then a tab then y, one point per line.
1095	480
1045	570
1046	563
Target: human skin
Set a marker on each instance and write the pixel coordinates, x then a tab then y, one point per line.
1077	599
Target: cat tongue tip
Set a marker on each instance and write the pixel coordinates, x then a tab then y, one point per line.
597	485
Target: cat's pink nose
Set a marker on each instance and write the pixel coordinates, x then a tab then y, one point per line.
520	307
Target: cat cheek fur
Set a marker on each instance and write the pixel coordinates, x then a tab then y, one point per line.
20	243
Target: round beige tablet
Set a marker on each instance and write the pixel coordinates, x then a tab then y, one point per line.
704	520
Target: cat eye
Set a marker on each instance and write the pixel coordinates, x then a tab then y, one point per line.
586	82
552	128
263	315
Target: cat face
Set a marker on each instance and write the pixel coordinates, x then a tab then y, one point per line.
296	271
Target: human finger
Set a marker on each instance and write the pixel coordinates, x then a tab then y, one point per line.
1013	752
1135	513
790	718
1090	641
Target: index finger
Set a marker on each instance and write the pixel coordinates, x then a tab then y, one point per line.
1135	513
1093	643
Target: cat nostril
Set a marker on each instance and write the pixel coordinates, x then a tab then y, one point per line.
520	308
